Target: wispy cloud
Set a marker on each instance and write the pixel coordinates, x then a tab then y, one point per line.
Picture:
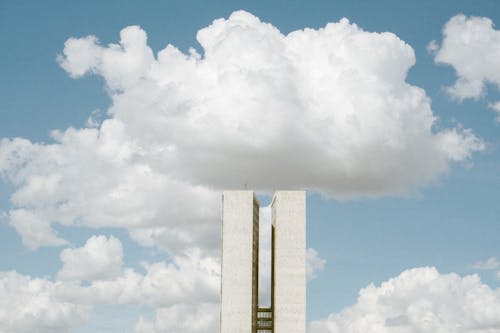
489	264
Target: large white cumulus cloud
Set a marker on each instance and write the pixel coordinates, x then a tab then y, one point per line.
420	300
472	46
326	110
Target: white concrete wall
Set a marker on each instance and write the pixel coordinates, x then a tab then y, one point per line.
289	221
237	262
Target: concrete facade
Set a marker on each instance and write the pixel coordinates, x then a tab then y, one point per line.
240	244
289	262
240	312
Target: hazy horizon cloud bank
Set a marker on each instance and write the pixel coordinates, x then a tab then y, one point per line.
327	110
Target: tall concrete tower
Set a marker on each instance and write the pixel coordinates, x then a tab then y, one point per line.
240	311
289	262
240	260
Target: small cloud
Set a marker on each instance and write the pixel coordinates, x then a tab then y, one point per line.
489	264
4	216
99	258
496	107
471	45
432	47
315	264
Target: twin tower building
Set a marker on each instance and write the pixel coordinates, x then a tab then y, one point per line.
240	311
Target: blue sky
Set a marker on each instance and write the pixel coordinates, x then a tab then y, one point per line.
449	220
